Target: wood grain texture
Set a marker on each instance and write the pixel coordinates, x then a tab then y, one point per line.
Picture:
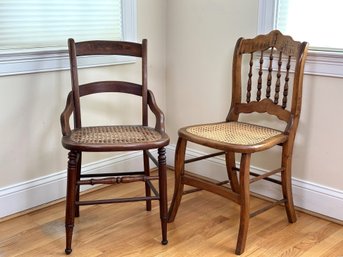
207	225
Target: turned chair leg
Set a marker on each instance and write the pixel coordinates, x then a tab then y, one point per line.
162	172
147	173
286	179
244	203
78	174
70	199
179	171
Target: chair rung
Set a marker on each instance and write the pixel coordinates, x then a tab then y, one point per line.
263	176
266	175
117	180
211	187
117	200
266	208
199	189
88	175
186	192
152	158
204	157
152	187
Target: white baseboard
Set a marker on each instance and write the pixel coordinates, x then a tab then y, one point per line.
307	195
20	197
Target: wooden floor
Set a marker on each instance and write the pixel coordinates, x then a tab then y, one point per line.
206	225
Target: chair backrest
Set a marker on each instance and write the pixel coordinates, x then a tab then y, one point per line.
98	47
266	69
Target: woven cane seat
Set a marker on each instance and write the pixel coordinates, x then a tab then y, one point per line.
115	135
234	133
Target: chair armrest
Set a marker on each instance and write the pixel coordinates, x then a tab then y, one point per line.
160	120
65	116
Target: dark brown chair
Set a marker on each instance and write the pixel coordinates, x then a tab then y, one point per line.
262	67
113	138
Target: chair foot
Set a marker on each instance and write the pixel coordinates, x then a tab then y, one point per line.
164	242
288	195
289	205
68	251
291	215
239	251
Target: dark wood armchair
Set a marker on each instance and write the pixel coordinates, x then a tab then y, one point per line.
112	138
265	70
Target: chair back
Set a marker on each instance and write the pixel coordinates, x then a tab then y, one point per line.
267	70
96	48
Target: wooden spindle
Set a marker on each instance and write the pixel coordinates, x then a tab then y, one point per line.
270	70
117	180
259	81
251	63
278	75
285	89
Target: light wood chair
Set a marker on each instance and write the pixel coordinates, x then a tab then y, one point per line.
115	137
273	63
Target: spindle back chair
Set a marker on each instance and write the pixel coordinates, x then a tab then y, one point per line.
265	70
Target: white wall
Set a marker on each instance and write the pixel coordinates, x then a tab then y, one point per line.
31	105
200	41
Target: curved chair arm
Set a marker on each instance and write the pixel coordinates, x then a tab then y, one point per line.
160	120
65	116
69	108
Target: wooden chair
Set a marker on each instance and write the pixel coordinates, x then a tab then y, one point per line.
112	138
274	63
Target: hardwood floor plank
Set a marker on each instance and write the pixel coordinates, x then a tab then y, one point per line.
206	225
329	244
336	250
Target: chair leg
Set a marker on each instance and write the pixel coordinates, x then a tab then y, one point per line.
70	199
179	171
147	173
244	203
162	173
286	179
232	174
77	197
